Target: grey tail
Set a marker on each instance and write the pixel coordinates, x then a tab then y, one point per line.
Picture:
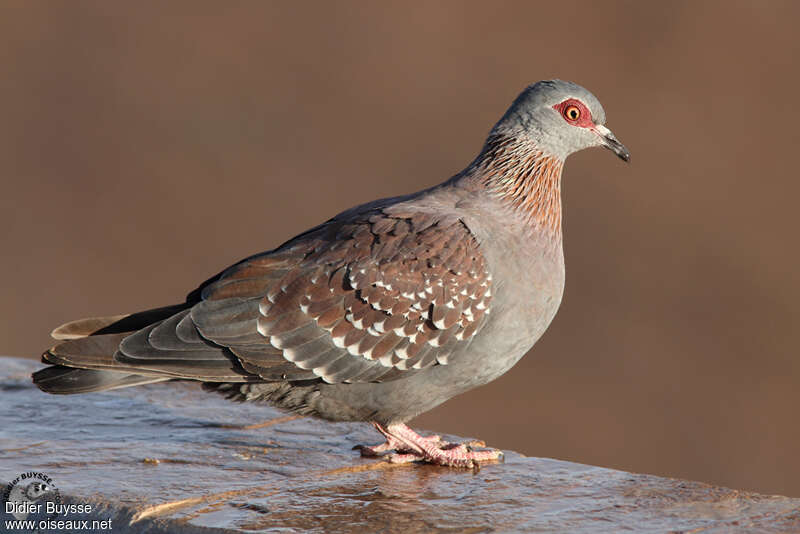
84	360
62	380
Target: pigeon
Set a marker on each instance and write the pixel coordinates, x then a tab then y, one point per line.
384	311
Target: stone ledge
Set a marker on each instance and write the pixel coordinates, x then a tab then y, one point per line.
171	458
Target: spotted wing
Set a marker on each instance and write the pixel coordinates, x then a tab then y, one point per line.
356	301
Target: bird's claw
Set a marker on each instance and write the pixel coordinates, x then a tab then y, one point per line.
408	446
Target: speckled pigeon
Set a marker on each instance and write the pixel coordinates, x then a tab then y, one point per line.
382	312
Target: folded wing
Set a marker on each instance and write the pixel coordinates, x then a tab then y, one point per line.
372	298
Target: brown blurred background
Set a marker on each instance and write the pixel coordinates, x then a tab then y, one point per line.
143	147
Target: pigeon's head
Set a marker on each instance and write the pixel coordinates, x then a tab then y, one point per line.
560	118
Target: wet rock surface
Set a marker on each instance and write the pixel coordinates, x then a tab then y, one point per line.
171	458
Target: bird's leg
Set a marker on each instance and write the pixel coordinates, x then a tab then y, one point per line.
390	444
412	447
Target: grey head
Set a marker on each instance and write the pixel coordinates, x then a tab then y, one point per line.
560	118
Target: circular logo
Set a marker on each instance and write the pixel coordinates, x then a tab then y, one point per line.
32	496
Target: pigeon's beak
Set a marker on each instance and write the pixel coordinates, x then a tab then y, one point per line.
611	142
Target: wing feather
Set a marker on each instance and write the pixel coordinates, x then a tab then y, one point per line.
375	296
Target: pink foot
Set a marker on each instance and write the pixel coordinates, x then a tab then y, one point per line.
411	447
390	444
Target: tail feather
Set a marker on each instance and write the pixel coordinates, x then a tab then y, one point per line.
115	324
84	360
61	380
86	364
91	352
91	357
94	352
84	327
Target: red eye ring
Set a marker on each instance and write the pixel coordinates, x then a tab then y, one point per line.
575	113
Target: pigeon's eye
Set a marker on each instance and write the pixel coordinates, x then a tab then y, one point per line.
572	113
575	113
